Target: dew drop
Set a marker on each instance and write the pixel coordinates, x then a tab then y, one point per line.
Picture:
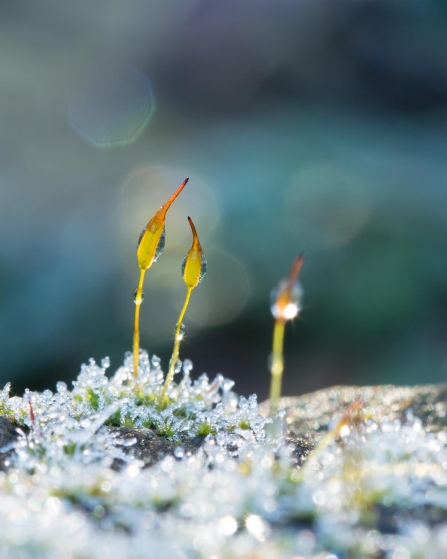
285	302
203	268
161	245
140	238
181	333
178	367
156	362
227	384
135	298
105	362
179	452
61	387
187	367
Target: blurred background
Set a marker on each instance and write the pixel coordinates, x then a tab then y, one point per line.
304	125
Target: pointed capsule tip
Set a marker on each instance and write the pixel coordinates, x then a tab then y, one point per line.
161	212
296	267
194	232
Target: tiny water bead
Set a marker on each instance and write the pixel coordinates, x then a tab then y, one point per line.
161	245
180	333
179	452
203	268
105	362
286	307
138	299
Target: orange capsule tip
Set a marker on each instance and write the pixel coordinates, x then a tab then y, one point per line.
165	207
194	232
296	268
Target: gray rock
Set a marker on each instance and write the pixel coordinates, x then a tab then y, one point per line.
150	447
309	417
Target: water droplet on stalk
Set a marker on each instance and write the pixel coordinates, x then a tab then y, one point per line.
135	298
285	301
178	367
181	333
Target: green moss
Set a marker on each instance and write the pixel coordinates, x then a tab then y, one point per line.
180	412
6	411
165	430
206	429
69	449
93	399
147	400
127	421
114	420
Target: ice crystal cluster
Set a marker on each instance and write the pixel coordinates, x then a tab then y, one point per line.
73	487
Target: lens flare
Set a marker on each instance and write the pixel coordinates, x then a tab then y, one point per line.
113	108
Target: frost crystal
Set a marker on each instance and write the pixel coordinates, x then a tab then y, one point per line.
75	487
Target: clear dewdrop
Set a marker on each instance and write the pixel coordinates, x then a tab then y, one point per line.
286	300
138	299
181	333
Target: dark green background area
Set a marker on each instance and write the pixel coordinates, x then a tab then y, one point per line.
311	125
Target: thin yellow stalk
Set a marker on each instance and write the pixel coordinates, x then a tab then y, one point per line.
277	366
175	351
136	327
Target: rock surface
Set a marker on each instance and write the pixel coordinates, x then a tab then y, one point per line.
150	447
310	416
307	418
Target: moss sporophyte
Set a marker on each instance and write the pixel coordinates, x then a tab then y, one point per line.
193	270
150	245
285	299
285	305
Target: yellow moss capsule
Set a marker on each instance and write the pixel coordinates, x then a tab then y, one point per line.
194	265
286	297
152	239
